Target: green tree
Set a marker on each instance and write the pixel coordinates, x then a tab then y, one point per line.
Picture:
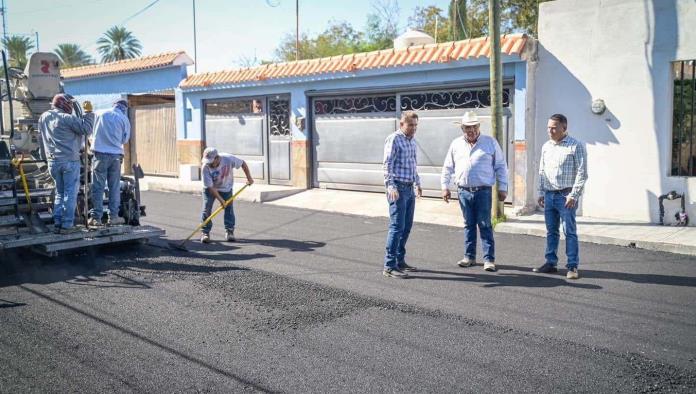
339	38
517	16
382	25
17	48
523	15
71	55
430	20
118	44
458	20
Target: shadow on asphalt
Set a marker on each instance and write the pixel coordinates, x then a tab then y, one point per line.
10	304
291	245
502	279
654	279
96	267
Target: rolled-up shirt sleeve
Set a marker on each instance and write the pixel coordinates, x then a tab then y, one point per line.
540	188
389	159
580	157
500	168
447	168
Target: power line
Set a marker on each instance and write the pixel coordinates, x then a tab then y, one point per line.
139	12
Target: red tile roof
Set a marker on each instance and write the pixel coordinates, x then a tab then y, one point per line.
129	65
512	44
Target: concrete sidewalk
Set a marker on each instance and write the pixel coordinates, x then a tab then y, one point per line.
257	193
680	240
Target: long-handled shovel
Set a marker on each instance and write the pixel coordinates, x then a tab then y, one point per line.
182	245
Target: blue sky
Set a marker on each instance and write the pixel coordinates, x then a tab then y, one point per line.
227	29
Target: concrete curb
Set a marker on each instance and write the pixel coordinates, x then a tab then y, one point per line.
511	228
250	195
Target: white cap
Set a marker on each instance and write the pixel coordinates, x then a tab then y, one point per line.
469	119
209	154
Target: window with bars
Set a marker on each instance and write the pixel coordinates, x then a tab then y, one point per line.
450	99
355	105
683	127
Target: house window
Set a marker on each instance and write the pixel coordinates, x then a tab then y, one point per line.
683	127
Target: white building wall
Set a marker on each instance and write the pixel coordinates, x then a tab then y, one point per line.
619	51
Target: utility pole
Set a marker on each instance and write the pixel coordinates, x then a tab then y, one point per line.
496	89
195	48
37	41
297	30
3	10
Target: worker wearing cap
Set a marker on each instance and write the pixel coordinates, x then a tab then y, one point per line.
474	162
111	131
62	134
218	180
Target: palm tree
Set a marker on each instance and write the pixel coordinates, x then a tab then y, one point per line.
17	46
118	44
71	55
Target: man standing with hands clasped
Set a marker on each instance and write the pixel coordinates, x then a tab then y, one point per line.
476	161
562	177
400	178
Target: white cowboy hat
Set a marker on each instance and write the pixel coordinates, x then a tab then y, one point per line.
469	119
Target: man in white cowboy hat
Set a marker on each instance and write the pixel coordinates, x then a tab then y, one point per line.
474	162
218	181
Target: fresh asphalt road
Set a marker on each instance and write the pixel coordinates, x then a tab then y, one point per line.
298	304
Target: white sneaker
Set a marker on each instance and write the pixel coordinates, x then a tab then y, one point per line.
205	238
572	273
466	262
489	266
394	273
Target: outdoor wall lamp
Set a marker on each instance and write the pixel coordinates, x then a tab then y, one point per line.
598	106
300	122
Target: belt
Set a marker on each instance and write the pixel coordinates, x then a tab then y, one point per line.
403	183
561	191
474	188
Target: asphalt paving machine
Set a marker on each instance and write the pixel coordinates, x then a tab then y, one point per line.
26	187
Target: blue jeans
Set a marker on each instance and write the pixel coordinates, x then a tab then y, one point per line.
476	208
555	213
208	202
66	175
106	172
400	223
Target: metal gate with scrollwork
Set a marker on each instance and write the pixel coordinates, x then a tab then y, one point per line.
348	133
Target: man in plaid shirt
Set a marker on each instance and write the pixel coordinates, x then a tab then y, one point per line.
562	177
400	178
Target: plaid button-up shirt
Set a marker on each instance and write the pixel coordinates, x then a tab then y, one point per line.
400	159
563	165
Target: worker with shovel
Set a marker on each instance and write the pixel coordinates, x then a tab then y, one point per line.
217	182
